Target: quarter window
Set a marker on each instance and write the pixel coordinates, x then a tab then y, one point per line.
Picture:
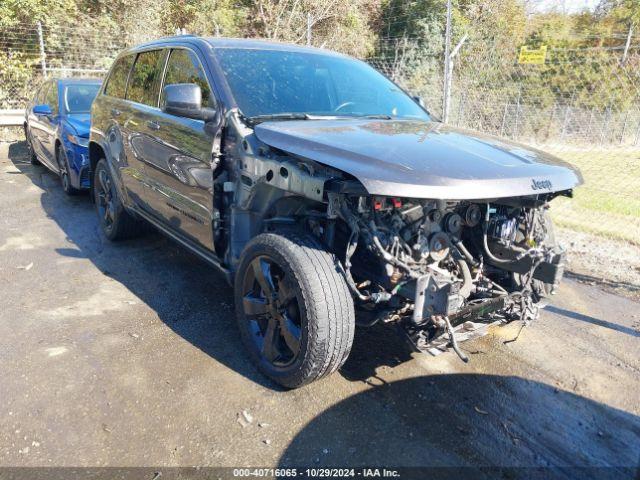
144	86
184	67
117	83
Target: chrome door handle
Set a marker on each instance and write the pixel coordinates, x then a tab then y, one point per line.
153	125
115	112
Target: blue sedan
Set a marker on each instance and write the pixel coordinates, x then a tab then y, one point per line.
56	125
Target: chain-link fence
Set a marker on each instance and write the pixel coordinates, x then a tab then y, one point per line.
31	52
581	105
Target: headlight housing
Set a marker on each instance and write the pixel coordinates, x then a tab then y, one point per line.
83	142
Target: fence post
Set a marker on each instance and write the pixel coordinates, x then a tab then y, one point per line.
514	134
43	57
504	118
565	122
553	114
605	127
446	98
309	23
624	127
461	109
590	124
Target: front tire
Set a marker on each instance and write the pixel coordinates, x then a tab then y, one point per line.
115	222
294	310
63	166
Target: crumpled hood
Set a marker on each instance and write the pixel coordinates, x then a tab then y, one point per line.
422	159
81	122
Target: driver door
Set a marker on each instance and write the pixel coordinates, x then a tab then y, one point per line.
180	170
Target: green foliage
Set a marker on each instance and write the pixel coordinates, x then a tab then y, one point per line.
205	17
582	68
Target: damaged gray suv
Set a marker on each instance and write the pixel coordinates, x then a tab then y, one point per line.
327	196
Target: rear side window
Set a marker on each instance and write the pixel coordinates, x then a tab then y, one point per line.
144	86
117	83
184	67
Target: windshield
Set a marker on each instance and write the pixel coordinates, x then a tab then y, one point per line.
78	97
271	82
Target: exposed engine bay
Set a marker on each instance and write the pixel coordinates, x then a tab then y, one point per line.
441	270
439	267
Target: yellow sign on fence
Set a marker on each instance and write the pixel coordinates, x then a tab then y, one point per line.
532	56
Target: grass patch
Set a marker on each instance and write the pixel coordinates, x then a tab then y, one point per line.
608	203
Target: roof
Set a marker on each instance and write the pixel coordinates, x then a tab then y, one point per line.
242	43
247	43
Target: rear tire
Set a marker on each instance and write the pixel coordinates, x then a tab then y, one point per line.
301	329
33	158
115	222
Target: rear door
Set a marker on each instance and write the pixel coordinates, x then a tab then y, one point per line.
115	116
179	164
143	92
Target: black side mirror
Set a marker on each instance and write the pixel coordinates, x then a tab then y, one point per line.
185	100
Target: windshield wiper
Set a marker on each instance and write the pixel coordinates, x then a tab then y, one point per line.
277	116
256	119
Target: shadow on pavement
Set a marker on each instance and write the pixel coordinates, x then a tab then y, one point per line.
473	420
374	347
190	297
594	321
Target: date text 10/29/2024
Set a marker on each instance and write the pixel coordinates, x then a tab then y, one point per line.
316	473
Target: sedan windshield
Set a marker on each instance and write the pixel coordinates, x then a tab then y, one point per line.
78	97
272	82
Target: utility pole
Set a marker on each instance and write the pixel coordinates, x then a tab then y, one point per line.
43	56
309	23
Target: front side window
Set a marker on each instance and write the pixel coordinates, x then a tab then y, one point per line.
267	82
78	97
184	67
144	85
117	83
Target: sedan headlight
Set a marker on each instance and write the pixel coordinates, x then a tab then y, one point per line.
83	142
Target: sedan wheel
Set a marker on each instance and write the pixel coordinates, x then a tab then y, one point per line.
32	154
63	166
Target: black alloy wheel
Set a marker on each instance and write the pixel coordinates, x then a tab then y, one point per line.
105	200
271	308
